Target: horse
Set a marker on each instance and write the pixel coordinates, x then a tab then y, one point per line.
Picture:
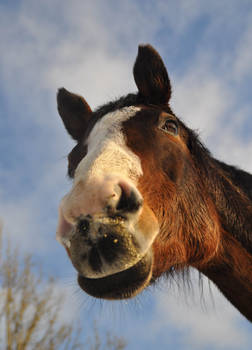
148	199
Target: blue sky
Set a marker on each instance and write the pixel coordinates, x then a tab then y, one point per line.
89	47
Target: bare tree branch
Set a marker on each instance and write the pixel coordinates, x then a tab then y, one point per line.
30	310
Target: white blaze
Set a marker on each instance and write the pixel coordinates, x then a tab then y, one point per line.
107	149
108	160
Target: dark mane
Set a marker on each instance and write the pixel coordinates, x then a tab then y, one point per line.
239	177
125	101
235	183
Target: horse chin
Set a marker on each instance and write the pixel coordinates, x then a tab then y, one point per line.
122	285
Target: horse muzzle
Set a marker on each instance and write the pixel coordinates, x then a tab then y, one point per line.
110	247
100	246
110	260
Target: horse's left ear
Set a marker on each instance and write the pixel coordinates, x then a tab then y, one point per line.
151	76
74	111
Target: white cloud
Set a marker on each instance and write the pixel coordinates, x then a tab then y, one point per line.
28	218
89	47
243	56
209	105
231	146
201	99
213	324
77	52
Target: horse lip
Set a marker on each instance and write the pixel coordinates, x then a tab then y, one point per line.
121	285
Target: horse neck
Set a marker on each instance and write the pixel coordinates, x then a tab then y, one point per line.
231	269
231	191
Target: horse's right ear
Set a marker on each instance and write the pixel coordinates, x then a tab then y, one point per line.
74	111
151	76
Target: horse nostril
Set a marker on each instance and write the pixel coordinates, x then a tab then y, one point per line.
83	227
129	202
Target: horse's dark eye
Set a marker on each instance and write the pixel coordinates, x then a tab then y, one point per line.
170	126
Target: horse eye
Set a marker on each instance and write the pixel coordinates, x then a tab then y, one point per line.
170	126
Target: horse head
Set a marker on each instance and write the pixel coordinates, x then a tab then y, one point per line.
147	197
